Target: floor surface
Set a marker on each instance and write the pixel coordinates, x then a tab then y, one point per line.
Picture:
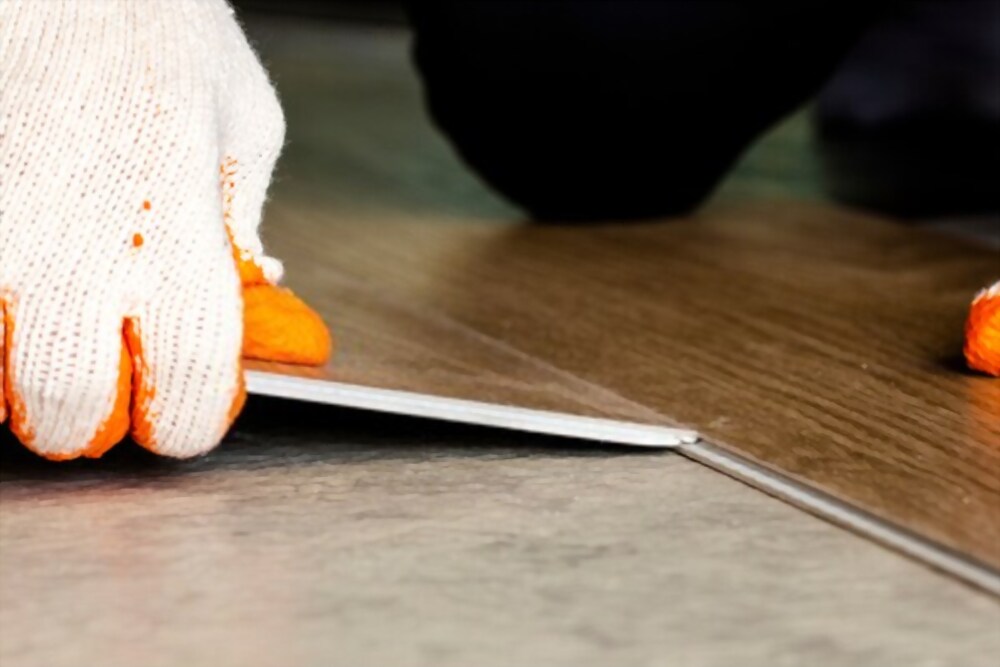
321	536
316	536
822	343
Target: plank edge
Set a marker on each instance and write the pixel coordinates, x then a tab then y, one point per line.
464	411
940	557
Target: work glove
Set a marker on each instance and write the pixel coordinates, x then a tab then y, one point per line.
137	141
982	331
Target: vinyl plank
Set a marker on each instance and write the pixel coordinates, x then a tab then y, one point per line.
397	358
819	343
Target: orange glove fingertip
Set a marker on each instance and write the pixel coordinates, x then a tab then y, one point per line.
982	332
114	429
279	326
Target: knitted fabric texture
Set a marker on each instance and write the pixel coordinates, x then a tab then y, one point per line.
137	141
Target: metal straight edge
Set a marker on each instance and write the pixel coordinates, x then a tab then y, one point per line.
468	412
938	556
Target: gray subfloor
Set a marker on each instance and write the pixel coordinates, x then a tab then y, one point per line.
316	536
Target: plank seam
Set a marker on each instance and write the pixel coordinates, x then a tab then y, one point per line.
825	506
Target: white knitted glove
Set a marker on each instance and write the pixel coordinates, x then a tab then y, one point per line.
116	117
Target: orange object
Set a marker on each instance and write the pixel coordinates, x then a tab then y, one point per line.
278	326
982	332
111	431
4	347
116	425
249	270
11	406
129	413
141	428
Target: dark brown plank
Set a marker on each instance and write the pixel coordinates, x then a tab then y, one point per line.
821	343
385	342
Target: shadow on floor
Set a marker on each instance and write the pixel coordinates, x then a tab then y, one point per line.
276	433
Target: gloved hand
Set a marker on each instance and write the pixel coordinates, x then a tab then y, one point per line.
982	331
120	297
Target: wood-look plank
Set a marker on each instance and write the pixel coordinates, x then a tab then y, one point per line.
384	343
818	342
395	358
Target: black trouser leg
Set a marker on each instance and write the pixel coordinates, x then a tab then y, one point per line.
619	109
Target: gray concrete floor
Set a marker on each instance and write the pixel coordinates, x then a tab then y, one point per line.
317	536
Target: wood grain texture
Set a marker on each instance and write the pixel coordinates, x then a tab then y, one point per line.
325	537
817	342
821	343
386	342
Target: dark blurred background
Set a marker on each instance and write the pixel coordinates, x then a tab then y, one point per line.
888	106
379	11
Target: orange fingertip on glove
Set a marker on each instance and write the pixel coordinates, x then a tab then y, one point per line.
982	332
129	413
111	431
120	308
9	407
116	426
278	326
